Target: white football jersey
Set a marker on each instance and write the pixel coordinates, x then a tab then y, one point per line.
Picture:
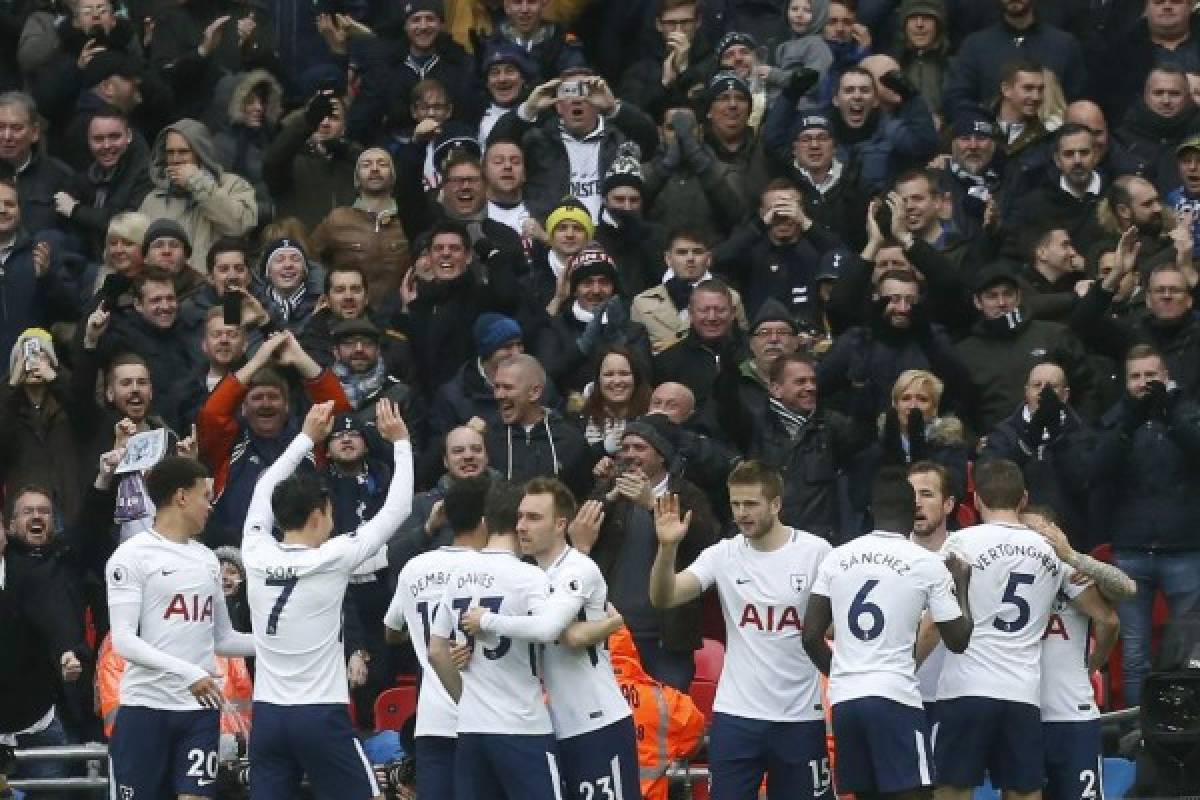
764	597
501	692
583	692
1067	694
879	586
419	590
1015	577
177	589
296	592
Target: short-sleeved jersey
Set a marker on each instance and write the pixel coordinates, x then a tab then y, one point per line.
419	590
584	695
1067	694
879	586
1015	577
178	588
296	592
763	598
502	692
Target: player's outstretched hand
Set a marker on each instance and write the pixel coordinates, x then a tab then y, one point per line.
472	621
1051	533
319	421
207	693
670	527
460	656
388	421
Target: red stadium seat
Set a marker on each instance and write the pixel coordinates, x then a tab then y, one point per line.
394	707
709	660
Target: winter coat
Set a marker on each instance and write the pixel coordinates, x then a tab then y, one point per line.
547	165
1152	139
215	203
682	198
975	74
28	301
171	355
306	183
655	310
373	242
551	448
240	148
124	190
1144	481
28	436
1057	472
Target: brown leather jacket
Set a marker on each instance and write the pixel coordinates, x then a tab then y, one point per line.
373	242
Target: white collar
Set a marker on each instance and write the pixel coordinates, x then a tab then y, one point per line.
1093	186
556	264
3	571
670	273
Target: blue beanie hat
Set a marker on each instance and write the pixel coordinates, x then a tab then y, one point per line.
492	331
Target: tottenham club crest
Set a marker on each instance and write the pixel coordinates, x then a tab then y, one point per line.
799	582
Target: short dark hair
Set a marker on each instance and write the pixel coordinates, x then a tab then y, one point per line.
715	286
296	497
124	360
689	233
269	376
663	6
919	174
152	275
933	468
450	226
893	501
465	502
170	475
784	360
345	268
564	501
757	473
28	488
109	111
1000	484
500	510
1008	72
227	244
1070	129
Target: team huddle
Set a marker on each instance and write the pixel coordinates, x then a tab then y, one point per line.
510	623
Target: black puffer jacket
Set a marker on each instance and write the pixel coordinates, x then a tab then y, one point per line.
1144	481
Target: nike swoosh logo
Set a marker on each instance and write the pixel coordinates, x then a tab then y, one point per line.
167	572
740	581
204	781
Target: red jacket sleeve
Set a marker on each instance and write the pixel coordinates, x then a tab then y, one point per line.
217	427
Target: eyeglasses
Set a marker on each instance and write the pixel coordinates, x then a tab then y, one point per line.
1168	291
89	10
773	333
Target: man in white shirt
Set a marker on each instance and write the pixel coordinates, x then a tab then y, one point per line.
296	587
768	715
419	589
597	741
874	590
935	504
988	719
169	620
505	739
1070	718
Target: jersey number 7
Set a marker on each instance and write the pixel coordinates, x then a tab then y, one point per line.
289	585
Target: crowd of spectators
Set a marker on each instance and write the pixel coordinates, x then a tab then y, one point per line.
624	243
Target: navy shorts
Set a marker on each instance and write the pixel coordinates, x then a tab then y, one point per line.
157	753
979	736
523	767
1074	762
791	755
602	763
288	742
435	766
882	746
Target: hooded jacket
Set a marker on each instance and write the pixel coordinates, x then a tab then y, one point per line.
240	148
551	447
215	202
926	68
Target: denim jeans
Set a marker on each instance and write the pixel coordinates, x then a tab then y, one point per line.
53	736
1176	575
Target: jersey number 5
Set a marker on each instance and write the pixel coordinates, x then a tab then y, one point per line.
288	584
1015	581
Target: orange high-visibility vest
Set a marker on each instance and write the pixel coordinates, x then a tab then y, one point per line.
669	725
233	677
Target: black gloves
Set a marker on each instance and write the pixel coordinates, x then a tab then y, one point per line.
1047	422
800	83
1151	405
899	83
916	435
320	107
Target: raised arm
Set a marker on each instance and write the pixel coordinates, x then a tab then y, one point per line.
669	588
398	503
1110	581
